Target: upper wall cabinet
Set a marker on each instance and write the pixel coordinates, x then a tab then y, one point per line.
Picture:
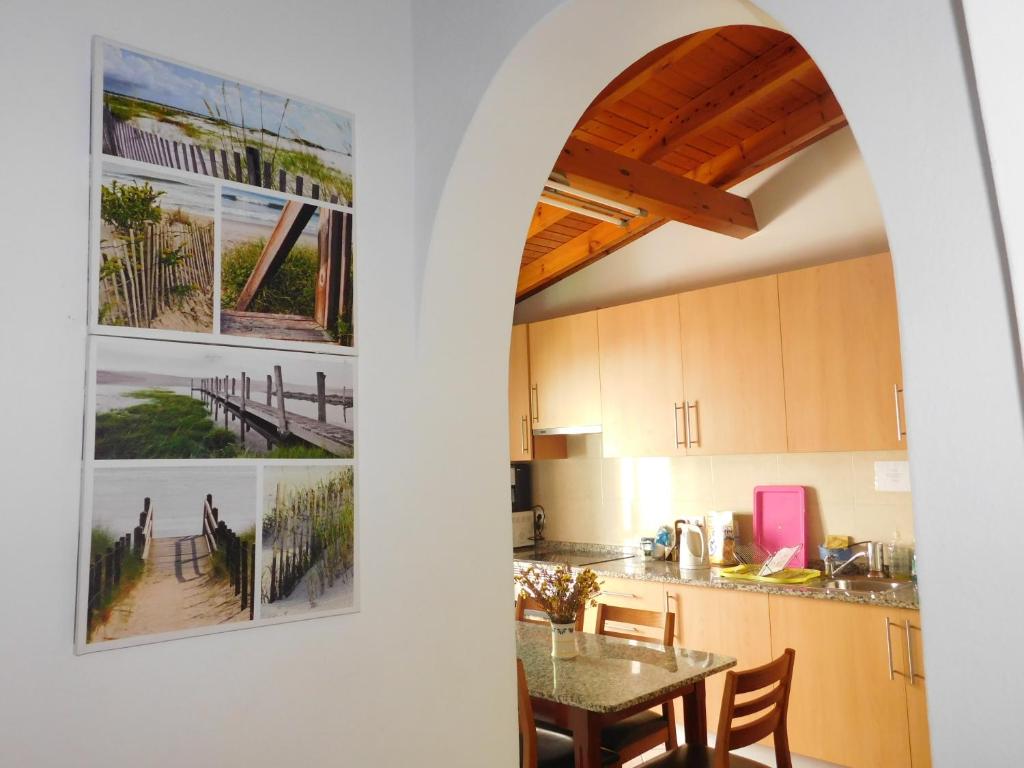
519	434
841	353
732	369
641	379
564	381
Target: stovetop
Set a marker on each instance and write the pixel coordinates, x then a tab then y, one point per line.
571	558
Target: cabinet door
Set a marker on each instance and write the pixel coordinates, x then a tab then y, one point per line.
912	656
730	622
841	356
844	708
628	593
519	426
641	378
564	377
732	368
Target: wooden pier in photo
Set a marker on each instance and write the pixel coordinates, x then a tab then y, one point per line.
271	418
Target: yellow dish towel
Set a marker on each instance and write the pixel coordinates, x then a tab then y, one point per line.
785	576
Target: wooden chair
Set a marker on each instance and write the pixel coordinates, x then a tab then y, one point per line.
769	708
645	730
524	604
541	748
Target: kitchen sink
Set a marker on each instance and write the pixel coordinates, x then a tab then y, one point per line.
865	585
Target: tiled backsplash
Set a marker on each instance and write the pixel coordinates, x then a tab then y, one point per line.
616	501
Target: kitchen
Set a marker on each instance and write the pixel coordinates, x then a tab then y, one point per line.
717	406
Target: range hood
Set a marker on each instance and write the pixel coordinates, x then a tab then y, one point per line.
587	429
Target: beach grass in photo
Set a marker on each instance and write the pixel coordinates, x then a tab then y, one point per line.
156	253
165	113
308	540
171	548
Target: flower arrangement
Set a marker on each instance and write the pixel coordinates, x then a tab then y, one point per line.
560	593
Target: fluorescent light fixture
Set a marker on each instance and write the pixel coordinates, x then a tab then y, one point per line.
558	202
565	189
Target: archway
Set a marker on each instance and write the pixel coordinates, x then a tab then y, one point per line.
908	101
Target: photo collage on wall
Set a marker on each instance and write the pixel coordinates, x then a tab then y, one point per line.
219	489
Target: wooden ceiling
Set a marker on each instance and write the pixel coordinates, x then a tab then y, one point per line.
670	134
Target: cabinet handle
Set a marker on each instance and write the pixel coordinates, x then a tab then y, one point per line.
619	594
897	390
535	403
911	674
888	646
690	439
522	430
666	601
676	408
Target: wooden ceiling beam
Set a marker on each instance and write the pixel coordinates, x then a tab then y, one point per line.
543	217
663	194
776	142
578	252
752	83
619	89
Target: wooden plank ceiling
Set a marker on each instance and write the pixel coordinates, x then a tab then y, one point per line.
670	134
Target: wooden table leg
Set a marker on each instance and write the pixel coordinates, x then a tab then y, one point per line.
695	715
586	737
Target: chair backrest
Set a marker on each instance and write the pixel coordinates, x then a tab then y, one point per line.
767	709
638	617
527	726
524	604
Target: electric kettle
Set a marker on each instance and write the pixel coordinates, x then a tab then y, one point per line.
693	546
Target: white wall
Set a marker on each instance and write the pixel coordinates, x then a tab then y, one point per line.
816	206
322	692
993	27
897	68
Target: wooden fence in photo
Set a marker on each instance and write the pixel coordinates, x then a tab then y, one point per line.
233	397
150	271
106	568
239	556
122	139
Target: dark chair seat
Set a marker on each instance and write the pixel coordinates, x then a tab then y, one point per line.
554	750
632	729
697	757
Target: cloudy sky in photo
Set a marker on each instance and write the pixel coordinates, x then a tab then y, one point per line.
144	77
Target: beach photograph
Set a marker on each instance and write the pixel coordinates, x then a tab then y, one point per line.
174	400
308	540
156	252
164	113
286	269
170	549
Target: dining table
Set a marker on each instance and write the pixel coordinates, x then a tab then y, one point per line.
610	679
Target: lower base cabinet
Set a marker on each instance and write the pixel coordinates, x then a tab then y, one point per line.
853	701
730	622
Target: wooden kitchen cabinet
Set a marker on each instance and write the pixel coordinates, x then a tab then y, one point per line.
844	708
730	622
732	368
911	656
520	444
627	593
564	379
841	357
641	378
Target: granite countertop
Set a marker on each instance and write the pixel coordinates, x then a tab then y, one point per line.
628	566
610	674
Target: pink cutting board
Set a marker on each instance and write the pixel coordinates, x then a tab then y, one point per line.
780	519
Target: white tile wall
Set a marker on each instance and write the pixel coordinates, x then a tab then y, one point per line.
616	501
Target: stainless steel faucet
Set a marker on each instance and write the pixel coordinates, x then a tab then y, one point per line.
831	569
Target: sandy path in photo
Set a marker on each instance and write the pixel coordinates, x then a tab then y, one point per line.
176	591
334	598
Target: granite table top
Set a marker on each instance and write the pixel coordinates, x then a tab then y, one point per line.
610	674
